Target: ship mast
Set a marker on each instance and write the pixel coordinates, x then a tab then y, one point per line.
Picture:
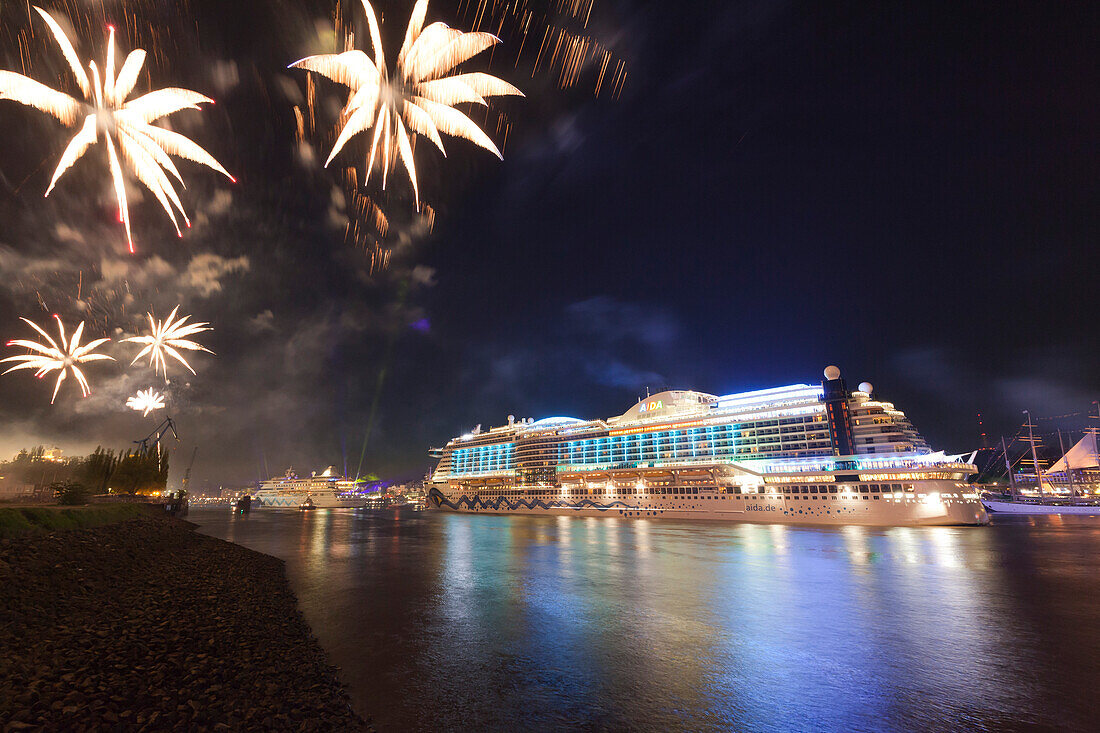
1035	458
1069	468
1008	467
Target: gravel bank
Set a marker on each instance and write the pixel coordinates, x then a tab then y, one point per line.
147	625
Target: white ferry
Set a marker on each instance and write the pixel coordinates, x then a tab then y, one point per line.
800	454
325	491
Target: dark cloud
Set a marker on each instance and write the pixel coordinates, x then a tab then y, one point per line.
1046	382
608	351
605	320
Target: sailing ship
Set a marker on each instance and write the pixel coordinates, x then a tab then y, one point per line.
1069	486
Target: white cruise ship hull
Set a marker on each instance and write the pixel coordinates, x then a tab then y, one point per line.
856	509
277	500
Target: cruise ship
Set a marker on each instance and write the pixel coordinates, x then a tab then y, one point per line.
799	454
318	491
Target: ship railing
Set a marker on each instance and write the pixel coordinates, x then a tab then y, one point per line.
864	466
480	474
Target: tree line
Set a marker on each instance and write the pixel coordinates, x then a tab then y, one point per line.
103	471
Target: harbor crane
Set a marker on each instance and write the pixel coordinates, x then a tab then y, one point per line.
187	474
154	437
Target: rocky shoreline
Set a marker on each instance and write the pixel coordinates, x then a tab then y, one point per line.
148	625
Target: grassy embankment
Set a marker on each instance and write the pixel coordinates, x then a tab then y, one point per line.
15	521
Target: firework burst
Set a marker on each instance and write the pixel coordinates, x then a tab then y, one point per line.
166	336
418	98
145	401
62	355
368	224
125	127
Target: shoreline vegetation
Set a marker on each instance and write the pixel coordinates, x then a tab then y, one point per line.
39	475
16	521
141	623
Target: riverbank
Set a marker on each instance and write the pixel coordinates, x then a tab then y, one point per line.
146	624
16	521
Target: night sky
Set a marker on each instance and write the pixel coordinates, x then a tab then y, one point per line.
908	191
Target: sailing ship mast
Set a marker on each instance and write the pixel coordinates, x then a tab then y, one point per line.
1069	467
1008	467
1035	458
1083	455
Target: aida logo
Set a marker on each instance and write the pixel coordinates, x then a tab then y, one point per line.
651	406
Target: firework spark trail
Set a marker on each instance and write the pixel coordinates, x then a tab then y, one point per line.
566	47
100	304
166	336
125	126
156	25
145	401
368	224
62	355
418	98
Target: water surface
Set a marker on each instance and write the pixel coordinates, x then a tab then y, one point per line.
453	621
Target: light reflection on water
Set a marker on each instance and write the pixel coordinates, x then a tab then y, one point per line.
458	621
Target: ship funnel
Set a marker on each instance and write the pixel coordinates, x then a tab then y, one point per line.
835	397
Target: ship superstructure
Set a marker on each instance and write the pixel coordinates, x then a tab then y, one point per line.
799	453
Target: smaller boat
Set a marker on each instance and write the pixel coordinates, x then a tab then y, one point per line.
307	505
375	502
